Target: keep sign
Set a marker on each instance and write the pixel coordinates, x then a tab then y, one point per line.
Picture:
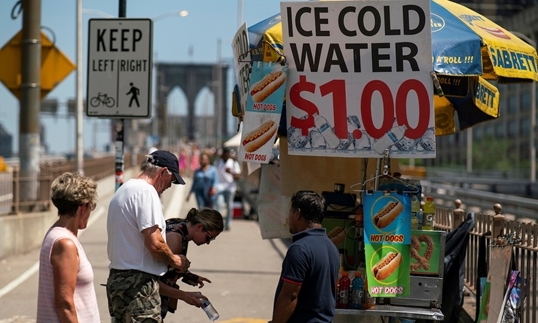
359	79
119	68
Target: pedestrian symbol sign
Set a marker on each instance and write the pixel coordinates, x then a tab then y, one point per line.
119	68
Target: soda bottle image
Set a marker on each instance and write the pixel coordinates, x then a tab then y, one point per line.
344	290
428	217
390	138
326	131
209	309
357	290
415	209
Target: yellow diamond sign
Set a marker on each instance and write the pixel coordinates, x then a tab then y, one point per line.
55	66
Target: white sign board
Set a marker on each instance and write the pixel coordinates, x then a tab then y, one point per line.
241	48
119	68
359	79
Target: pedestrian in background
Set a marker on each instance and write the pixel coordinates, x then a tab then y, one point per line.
228	171
66	292
305	291
201	227
204	182
137	247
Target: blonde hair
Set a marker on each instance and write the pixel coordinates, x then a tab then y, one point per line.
71	190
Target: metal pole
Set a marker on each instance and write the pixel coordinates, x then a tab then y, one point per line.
29	144
219	128
119	123
469	150
531	138
79	107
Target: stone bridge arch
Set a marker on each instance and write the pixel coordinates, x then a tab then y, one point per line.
191	78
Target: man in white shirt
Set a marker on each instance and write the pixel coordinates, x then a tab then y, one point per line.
228	170
137	247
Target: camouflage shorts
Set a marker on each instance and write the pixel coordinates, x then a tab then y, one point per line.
133	297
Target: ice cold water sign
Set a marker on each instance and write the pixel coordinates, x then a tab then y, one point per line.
359	78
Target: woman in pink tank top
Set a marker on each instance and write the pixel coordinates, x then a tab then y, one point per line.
66	292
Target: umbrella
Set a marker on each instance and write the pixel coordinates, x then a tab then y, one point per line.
468	51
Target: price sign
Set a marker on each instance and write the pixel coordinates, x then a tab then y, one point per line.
359	78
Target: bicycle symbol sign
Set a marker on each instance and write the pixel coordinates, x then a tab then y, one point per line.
102	99
119	68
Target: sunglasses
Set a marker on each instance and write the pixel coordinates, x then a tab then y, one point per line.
209	237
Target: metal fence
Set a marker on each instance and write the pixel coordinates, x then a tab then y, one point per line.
489	227
96	168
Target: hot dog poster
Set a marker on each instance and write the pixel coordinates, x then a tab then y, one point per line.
262	112
359	78
387	238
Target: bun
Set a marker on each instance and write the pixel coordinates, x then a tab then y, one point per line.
384	217
337	235
387	265
267	85
258	137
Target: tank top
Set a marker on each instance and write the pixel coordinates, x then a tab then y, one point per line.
85	299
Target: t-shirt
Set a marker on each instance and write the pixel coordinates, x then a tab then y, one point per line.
134	207
84	297
226	181
313	262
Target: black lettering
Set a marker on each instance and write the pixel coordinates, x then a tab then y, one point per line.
377	57
388	30
356	55
321	21
112	39
334	49
101	39
341	26
137	36
306	55
377	21
290	24
124	39
406	19
410	56
300	29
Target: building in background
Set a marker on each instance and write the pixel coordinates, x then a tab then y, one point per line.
6	143
510	133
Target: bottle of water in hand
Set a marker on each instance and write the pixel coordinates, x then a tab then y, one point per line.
209	309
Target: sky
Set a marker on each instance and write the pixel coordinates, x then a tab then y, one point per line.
190	39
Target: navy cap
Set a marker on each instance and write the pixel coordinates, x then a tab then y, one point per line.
166	159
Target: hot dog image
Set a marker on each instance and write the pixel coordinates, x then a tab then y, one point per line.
387	214
387	265
267	85
337	235
258	137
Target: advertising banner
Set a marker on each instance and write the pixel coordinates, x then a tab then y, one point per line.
240	46
387	238
262	112
359	78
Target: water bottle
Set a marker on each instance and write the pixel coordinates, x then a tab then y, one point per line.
415	209
326	131
357	290
209	309
344	290
428	217
390	138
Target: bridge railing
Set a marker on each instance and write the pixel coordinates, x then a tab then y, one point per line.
96	168
484	234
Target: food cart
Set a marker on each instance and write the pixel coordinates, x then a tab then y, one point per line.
358	92
345	121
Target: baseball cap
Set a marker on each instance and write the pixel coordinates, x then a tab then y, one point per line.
166	159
